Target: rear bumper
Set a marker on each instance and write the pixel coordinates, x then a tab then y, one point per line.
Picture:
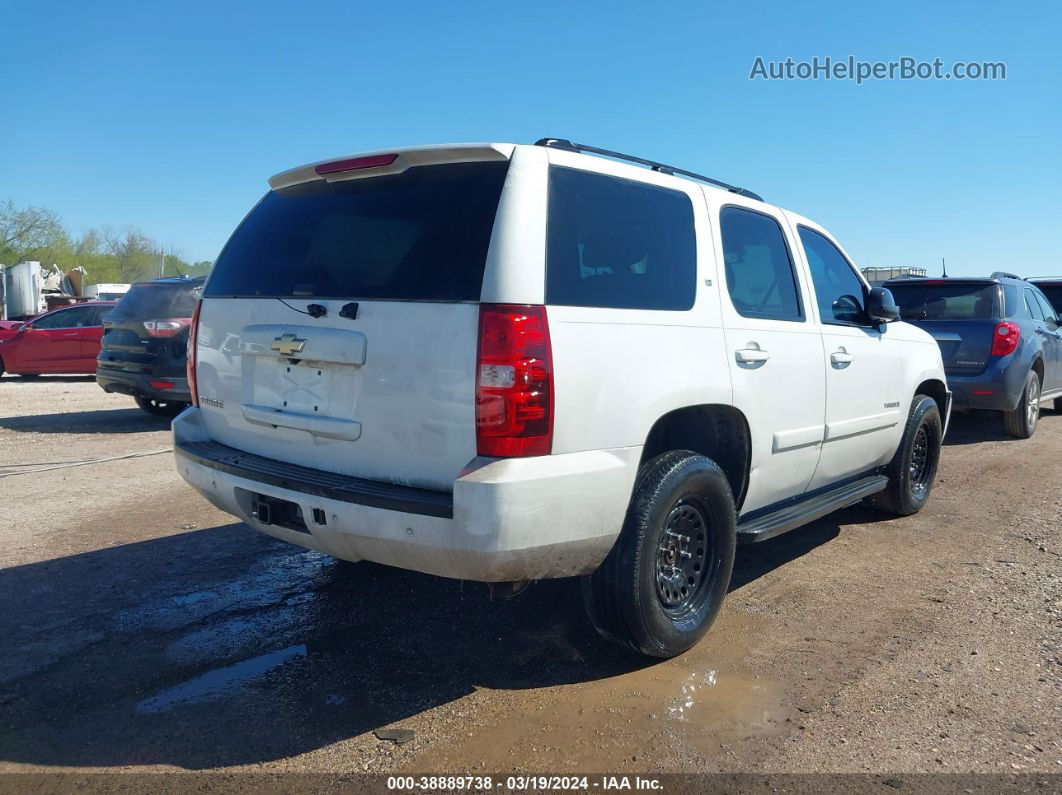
140	385
506	519
998	388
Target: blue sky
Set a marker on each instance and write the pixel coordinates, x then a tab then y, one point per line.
170	117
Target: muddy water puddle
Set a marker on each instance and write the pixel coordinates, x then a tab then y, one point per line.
684	713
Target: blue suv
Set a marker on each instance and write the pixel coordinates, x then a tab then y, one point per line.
1000	339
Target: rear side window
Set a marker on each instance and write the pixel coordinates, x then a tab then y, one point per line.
618	243
1033	305
156	301
946	301
759	269
421	235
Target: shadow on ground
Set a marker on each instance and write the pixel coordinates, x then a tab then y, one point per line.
987	426
118	420
222	646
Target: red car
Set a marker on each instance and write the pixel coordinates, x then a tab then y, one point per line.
64	341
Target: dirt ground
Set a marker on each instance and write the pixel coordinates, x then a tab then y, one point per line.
143	630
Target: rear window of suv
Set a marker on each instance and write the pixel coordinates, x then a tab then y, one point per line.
946	301
421	235
618	243
152	301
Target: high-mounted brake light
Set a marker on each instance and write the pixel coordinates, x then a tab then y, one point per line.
170	327
193	337
1005	338
514	382
355	163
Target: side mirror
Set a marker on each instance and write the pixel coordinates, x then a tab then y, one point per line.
848	309
881	306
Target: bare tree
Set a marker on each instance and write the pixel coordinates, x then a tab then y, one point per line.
86	246
135	254
25	231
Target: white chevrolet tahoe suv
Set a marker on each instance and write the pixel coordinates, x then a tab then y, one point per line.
505	363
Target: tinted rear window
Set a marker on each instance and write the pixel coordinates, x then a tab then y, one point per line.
155	301
421	235
618	243
946	302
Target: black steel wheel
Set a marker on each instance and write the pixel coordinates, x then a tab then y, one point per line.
663	583
681	558
914	466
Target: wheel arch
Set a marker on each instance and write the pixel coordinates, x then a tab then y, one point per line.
717	431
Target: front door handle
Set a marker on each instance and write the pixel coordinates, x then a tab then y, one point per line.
841	357
751	355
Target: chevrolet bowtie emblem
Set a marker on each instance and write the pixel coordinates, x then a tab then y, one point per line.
288	344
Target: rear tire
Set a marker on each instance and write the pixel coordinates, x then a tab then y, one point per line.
160	408
914	466
1058	404
1021	422
662	585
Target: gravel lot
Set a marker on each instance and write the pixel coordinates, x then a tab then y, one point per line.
146	631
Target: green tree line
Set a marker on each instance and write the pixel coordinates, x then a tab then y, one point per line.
107	254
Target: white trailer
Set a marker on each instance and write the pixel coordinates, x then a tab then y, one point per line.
24	290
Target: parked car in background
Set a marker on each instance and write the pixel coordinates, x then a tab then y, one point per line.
65	341
8	328
1000	340
506	363
145	340
1050	286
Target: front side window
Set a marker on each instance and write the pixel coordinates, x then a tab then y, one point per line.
1049	311
759	270
1054	296
618	243
838	290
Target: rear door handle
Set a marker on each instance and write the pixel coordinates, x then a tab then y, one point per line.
751	355
841	357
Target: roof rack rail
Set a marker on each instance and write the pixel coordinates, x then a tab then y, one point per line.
563	143
1004	275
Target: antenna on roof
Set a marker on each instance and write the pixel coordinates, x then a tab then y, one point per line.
944	267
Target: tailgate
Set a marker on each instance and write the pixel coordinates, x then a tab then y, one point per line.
965	345
388	396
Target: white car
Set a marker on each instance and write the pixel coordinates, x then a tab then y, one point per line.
505	363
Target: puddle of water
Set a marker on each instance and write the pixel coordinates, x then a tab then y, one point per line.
220	682
680	712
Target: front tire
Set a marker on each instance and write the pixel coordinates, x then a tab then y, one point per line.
914	466
1021	422
160	408
662	585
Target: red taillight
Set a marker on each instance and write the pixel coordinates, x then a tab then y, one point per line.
161	384
1005	338
355	163
170	327
514	382
193	337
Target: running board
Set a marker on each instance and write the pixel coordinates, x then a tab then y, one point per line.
794	515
